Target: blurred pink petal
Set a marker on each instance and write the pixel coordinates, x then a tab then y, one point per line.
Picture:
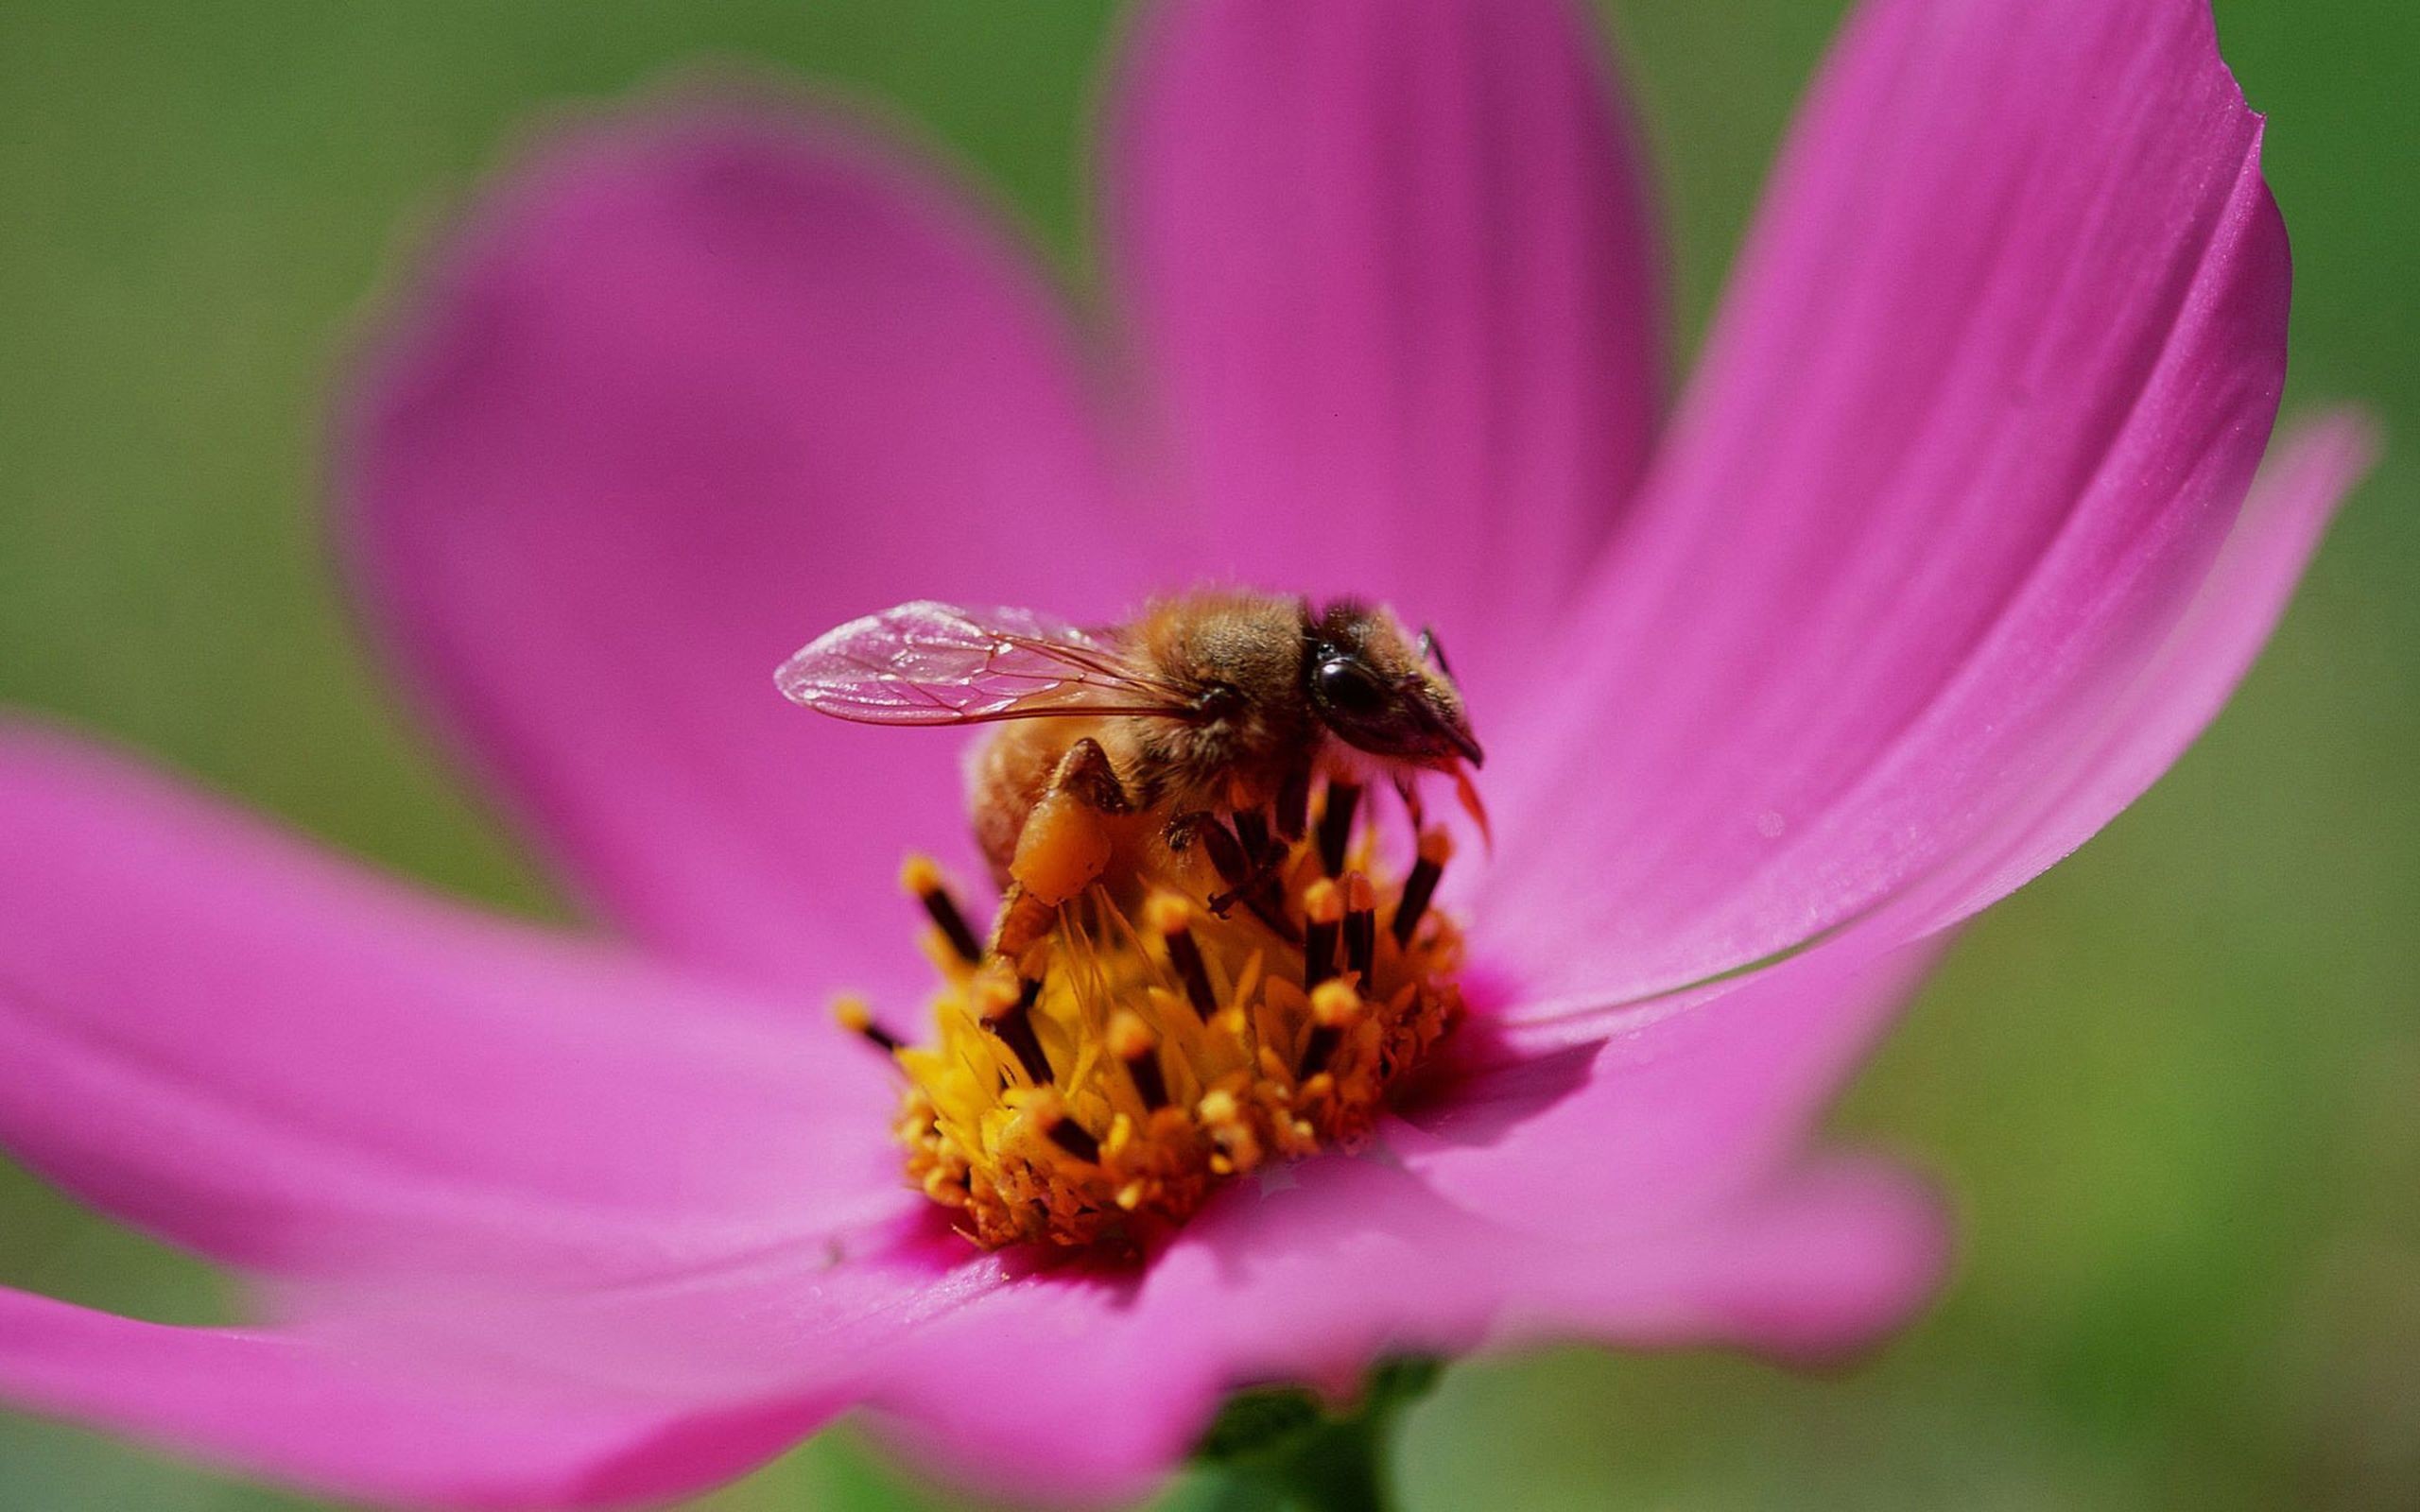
262	1054
687	386
2000	361
305	1411
1392	266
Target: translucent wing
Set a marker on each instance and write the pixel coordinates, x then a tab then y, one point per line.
927	664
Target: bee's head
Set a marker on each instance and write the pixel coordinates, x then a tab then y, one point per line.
1382	692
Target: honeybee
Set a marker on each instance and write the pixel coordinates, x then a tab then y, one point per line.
1202	722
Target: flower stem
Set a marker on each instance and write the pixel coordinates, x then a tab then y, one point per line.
1285	1449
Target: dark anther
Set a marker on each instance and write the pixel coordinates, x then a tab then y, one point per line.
1360	927
1070	1136
1318	951
1186	957
1252	829
1016	1029
1336	825
1321	1044
858	1020
1417	889
1294	805
1150	1084
1323	930
945	912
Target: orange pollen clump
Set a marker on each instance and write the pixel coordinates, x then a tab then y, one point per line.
1150	1047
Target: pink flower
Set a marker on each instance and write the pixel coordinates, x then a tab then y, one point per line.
1953	543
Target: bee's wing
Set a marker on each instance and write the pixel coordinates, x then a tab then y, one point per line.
927	664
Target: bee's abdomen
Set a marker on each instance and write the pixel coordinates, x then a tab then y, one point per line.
1011	767
1006	775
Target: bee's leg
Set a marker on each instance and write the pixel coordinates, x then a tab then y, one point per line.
1207	830
1246	870
1063	848
1266	855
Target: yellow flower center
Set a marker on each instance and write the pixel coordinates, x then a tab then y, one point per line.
1170	1032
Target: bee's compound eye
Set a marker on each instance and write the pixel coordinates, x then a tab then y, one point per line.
1348	687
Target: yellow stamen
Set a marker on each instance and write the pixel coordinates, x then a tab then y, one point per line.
1101	1089
1167	912
1129	1038
1335	1005
919	875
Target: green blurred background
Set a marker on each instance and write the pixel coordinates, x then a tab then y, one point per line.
2175	1086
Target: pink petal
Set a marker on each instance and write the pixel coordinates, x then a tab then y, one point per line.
258	1052
1823	1260
2138	733
304	1409
1677	1109
2174	697
2184	685
1984	402
1651	1190
687	390
1393	266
